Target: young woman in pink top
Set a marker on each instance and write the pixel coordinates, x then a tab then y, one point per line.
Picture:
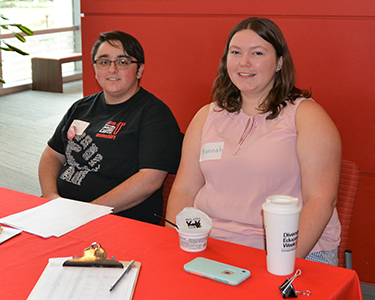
261	136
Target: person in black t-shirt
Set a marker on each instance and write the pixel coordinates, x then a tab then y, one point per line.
116	147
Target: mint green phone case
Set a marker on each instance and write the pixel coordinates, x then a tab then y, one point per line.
217	271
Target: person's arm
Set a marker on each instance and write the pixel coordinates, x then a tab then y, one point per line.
159	147
319	155
189	178
131	192
50	165
134	190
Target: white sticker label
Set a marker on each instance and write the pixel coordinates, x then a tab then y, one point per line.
211	151
77	128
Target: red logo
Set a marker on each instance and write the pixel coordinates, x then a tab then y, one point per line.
72	132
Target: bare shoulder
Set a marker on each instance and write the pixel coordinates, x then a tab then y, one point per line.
202	114
318	139
311	115
310	107
199	119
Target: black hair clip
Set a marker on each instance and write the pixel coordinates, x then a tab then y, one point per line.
287	290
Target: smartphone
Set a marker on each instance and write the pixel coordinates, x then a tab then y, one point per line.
217	271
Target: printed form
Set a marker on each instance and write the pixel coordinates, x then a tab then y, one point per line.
81	283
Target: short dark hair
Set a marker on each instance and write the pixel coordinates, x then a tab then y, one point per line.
228	96
130	44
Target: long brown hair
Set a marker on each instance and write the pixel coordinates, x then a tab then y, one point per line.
228	96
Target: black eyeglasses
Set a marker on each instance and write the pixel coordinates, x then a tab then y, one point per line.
121	63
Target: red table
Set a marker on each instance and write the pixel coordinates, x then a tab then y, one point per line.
24	257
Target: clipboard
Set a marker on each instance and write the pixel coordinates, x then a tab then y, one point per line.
93	257
89	277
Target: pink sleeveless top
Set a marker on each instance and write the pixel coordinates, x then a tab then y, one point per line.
245	159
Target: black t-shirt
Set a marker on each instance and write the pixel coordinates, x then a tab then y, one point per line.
106	144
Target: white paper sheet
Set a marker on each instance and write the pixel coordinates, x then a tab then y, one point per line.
80	283
56	217
8	233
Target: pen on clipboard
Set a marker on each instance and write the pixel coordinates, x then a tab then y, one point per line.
127	269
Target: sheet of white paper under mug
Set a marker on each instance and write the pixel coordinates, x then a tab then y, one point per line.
281	221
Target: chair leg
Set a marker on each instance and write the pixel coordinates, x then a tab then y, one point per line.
348	259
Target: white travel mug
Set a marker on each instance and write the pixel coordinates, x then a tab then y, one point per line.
281	220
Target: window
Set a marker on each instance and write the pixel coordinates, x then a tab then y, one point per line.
56	29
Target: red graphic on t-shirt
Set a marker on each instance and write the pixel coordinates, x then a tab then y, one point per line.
72	132
110	130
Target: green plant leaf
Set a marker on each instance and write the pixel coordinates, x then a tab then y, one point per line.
5	48
15	49
19	36
25	30
3	17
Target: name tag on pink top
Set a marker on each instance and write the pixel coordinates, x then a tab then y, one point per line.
211	151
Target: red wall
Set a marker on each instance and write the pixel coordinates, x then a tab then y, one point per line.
332	43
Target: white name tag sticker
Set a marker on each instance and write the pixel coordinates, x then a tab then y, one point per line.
211	151
77	128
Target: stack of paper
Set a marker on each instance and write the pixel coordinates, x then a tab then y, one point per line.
8	233
56	217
